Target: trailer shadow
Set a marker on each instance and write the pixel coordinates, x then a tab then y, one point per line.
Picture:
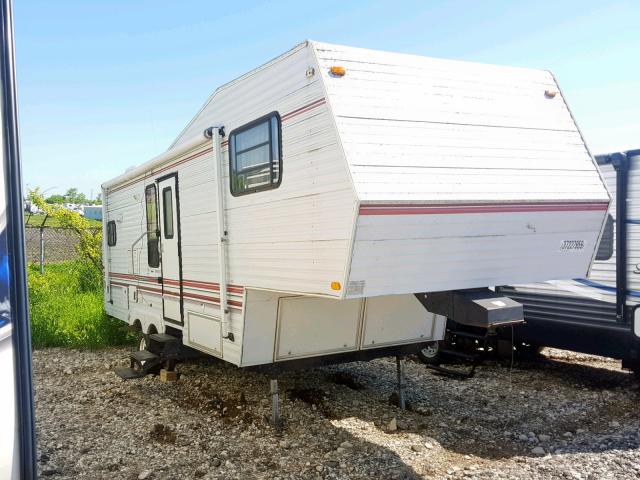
341	421
313	434
558	406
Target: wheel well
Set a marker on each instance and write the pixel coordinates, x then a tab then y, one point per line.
137	325
152	329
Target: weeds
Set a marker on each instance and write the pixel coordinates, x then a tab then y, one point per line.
66	305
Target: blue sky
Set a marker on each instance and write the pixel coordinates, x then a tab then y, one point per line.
104	85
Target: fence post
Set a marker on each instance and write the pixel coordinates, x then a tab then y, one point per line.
41	250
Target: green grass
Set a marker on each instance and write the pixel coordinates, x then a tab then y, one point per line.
67	310
37	219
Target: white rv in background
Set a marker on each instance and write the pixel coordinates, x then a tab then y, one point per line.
311	203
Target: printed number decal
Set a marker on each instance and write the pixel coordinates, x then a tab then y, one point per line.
571	245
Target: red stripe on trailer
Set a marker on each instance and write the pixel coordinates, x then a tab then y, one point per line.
142	278
214	300
153	290
286	116
187	283
451	209
303	109
212	286
207	299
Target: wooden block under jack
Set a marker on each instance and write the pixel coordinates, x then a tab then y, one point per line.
168	375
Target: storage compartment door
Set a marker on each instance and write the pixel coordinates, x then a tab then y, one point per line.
119	295
309	326
396	319
204	333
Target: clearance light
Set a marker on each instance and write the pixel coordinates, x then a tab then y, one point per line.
337	71
550	93
336	286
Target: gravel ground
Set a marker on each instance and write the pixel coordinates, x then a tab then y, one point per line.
563	416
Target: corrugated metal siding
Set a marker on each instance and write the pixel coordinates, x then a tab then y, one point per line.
633	228
459	251
555	306
418	130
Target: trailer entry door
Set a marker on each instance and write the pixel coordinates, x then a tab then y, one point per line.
170	241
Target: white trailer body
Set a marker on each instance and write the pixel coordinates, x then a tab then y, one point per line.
347	181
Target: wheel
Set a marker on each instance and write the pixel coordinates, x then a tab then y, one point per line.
143	343
528	350
430	354
504	348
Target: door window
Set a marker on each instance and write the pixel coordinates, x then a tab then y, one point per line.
167	212
153	253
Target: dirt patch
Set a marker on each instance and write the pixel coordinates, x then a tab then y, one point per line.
345	378
162	433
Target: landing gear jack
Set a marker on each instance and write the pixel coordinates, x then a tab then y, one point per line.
401	383
276	419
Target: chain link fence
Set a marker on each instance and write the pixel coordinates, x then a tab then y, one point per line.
50	244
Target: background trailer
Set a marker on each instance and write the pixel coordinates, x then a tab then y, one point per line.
599	313
305	211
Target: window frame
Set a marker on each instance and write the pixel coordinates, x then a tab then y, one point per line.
112	232
164	213
157	239
609	223
249	126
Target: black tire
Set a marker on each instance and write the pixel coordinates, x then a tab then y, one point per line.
532	348
528	350
504	349
430	354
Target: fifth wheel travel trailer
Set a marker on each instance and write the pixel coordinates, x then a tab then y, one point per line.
596	314
307	209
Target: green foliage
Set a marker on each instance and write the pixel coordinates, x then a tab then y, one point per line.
36	219
73	196
90	240
57	198
66	305
239	183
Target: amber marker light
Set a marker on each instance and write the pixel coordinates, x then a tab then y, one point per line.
337	71
336	286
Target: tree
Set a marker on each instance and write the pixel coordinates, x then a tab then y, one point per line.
71	195
57	198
